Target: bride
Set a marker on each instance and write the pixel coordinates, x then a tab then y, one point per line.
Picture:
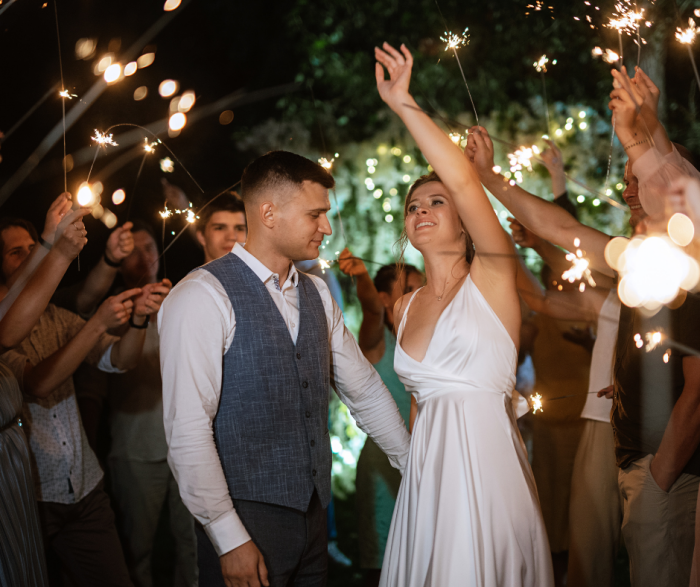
467	511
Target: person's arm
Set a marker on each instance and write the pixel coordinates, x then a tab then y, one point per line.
361	389
20	312
682	434
100	279
583	306
545	219
553	160
454	169
551	255
42	379
126	352
371	339
196	311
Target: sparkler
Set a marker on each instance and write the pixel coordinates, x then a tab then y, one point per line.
537	7
103	139
627	19
453	42
607	55
325	163
67	94
579	268
63	93
536	403
541	66
687	37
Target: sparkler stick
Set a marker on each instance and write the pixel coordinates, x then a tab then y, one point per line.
687	37
541	66
63	95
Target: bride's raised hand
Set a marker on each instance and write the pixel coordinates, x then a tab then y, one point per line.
393	91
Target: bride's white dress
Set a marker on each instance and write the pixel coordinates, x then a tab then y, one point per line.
467	512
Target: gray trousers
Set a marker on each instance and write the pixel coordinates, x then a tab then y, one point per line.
293	543
141	490
658	526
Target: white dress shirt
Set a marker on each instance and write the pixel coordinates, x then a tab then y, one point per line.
197	324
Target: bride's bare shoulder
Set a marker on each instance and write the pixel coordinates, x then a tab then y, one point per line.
400	308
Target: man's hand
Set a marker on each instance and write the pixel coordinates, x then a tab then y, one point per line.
151	297
120	243
70	234
662	479
522	236
479	151
608	392
116	310
58	209
393	91
244	567
350	265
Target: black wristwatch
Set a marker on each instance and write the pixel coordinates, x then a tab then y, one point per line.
141	327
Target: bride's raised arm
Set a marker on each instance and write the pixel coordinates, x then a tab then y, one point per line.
456	172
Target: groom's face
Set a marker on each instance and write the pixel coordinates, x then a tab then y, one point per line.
303	221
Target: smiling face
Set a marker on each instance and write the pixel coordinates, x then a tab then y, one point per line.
631	197
301	222
17	244
432	219
223	230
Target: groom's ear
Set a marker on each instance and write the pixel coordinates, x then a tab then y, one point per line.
267	214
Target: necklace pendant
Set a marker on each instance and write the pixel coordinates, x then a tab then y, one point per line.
440	299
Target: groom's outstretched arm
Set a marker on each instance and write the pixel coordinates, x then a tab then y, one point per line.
194	327
361	389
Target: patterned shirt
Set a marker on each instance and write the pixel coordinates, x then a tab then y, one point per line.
65	468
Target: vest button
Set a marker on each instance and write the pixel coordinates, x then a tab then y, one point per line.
308	414
298	355
313	443
313	472
305	384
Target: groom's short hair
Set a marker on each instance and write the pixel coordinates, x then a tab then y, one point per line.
278	171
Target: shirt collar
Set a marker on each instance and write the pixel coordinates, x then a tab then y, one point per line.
263	273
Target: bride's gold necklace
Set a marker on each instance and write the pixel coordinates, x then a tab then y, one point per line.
439	298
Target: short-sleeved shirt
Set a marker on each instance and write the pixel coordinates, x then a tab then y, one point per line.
65	469
648	384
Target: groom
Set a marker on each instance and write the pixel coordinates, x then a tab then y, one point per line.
249	347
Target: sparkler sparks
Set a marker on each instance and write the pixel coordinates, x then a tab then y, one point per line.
190	216
536	403
538	6
579	268
150	147
541	64
326	164
606	55
324	265
455	41
67	94
653	340
626	19
103	139
687	36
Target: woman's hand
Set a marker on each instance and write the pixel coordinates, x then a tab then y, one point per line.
393	91
70	235
58	209
552	159
626	102
649	92
522	236
350	265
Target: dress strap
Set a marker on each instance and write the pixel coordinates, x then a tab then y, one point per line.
405	315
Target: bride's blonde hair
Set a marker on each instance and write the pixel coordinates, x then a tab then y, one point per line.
402	242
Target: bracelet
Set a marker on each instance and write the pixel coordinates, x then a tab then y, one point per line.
47	245
635	144
114	264
133	325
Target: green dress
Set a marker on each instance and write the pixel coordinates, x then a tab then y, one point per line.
377	482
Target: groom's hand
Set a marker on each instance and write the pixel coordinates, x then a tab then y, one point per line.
244	567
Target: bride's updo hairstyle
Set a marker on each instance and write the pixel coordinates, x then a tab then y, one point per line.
402	242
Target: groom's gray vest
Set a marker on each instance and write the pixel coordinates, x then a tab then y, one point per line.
271	429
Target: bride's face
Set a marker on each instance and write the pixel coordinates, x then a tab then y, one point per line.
431	217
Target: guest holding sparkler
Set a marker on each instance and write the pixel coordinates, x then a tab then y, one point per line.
377	481
22	562
76	518
142	484
467	512
656	420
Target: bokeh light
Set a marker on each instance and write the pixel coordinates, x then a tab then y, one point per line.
85	48
140	93
118	197
85	196
168	87
186	101
167	165
113	73
130	68
226	117
171	5
177	121
681	229
145	60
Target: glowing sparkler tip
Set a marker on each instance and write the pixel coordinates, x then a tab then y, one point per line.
103	139
327	164
687	36
536	403
541	64
67	94
455	41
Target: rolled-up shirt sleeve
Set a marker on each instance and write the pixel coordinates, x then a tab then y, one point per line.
195	328
361	389
656	172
